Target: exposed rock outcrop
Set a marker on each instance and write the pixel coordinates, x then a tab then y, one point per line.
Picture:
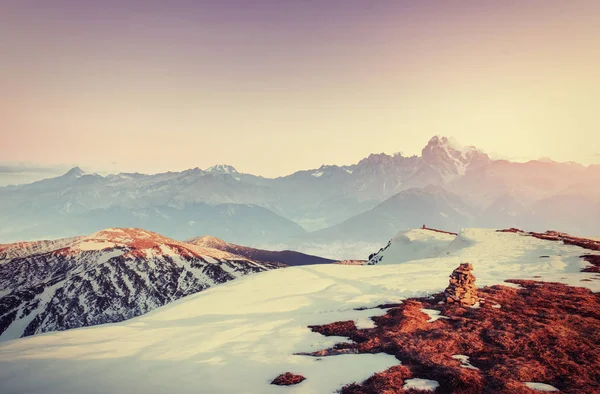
287	379
501	339
462	287
351	262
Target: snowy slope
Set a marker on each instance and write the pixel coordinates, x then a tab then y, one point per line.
109	276
413	244
237	337
492	253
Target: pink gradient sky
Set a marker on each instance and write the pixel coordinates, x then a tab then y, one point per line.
276	86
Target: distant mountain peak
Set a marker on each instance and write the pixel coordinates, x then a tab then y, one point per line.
222	169
450	143
208	241
375	159
123	234
75	172
436	140
546	160
193	171
450	158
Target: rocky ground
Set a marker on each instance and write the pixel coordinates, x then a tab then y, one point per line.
538	332
287	379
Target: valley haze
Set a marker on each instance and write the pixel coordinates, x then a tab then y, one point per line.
338	212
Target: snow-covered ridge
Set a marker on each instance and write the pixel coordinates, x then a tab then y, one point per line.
136	240
109	276
413	244
19	249
519	255
222	169
287	257
239	336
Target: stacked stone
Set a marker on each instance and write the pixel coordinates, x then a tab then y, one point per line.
462	287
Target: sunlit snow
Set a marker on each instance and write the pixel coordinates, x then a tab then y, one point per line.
420	384
238	336
464	361
540	386
433	315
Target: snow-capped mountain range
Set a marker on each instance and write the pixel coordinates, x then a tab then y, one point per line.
109	276
448	186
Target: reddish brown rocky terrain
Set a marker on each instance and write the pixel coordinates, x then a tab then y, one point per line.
287	379
550	235
594	260
541	332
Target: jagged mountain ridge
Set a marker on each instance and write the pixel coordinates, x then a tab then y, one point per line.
287	257
178	204
110	276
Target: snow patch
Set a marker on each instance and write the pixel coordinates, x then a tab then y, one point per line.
16	328
464	361
540	386
363	323
433	315
421	384
222	169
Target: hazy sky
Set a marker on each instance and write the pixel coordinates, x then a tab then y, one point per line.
276	86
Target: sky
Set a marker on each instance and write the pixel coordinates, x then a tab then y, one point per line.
276	86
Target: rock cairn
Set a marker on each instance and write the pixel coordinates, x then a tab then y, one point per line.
462	287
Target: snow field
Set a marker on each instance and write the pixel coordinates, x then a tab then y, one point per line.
238	336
